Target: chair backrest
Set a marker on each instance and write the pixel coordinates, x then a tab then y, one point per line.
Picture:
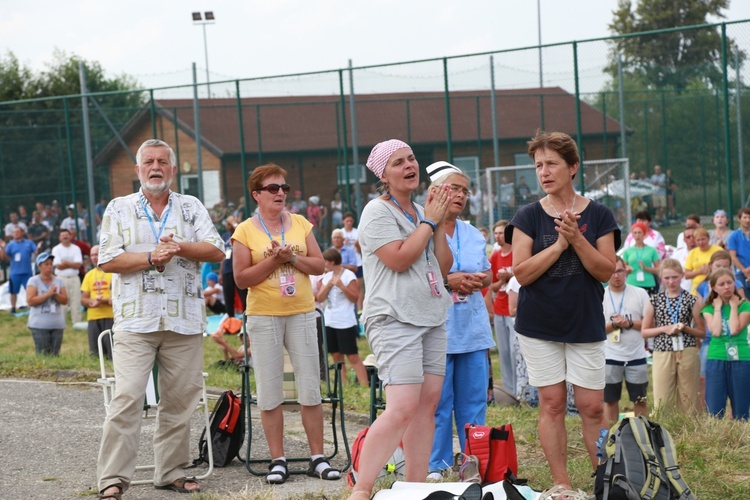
152	387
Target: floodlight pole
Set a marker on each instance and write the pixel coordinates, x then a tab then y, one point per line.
203	19
205	51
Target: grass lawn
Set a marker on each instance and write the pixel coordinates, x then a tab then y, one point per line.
713	453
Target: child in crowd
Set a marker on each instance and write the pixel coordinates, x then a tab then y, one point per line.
728	365
214	294
673	320
341	290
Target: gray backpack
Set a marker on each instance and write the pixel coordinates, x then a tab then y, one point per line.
640	463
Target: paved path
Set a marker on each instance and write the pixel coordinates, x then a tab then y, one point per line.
50	434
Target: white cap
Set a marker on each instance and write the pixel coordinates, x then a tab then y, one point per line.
440	168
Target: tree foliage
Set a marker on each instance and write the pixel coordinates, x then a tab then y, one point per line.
60	78
48	142
675	59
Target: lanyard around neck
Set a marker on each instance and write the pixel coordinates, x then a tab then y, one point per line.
622	299
674	313
411	219
281	218
164	218
457	252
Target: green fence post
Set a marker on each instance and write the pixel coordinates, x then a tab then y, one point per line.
703	154
243	159
579	132
604	124
177	149
342	100
646	133
727	150
70	149
153	113
259	134
448	132
718	149
664	160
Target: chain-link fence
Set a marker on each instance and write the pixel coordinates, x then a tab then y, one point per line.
649	98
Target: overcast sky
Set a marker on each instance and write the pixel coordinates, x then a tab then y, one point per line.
156	41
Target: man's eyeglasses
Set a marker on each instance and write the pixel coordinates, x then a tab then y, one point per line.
619	271
274	188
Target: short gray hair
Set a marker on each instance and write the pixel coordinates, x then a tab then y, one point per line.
337	231
152	143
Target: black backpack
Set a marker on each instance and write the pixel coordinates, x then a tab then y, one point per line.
640	463
227	424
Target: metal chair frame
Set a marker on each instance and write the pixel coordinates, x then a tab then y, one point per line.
150	404
333	395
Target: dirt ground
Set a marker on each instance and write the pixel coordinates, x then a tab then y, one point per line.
51	434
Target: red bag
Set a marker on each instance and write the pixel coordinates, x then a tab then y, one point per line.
495	448
395	465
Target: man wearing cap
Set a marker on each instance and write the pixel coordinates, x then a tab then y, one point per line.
68	260
739	248
69	222
19	252
97	297
153	242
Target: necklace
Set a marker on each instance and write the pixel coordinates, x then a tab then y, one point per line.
275	230
549	200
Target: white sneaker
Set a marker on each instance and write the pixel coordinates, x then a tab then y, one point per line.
434	476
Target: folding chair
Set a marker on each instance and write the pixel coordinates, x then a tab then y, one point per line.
377	394
332	394
151	402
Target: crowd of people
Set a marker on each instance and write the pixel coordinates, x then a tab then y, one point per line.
572	318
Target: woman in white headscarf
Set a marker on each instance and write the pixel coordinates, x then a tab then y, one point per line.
406	255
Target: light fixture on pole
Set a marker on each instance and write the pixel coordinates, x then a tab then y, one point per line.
204	19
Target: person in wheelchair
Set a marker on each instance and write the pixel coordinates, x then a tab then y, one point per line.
153	242
274	253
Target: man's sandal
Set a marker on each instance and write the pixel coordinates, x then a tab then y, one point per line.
326	474
179	485
111	496
277	476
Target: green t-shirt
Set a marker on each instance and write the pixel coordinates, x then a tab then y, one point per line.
632	256
717	349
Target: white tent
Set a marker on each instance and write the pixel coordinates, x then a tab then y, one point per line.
617	189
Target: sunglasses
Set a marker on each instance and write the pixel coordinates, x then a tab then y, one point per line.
274	188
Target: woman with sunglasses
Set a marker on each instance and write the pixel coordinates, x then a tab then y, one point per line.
406	254
274	254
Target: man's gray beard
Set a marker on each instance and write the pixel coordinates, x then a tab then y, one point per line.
155	191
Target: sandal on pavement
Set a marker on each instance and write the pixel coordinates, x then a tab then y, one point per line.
179	485
280	476
327	473
111	496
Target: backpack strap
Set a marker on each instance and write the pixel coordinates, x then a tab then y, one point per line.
666	448
639	426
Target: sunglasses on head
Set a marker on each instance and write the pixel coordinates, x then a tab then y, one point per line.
274	188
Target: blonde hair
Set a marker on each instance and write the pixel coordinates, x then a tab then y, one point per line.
700	231
672	264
